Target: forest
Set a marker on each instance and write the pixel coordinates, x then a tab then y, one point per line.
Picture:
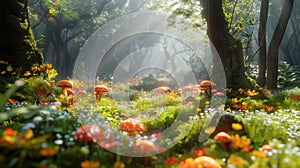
150	83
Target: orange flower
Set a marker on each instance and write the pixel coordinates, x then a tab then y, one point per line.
49	66
234	100
90	164
242	143
237	161
258	154
270	108
27	73
119	164
48	151
252	93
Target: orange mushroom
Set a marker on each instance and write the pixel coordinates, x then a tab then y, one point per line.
162	90
207	162
145	146
132	126
219	94
207	85
222	137
99	91
65	84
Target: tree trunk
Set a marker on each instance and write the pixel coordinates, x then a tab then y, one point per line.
264	8
17	43
272	69
229	49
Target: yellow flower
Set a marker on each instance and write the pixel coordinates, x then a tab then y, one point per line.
48	151
258	154
242	142
90	164
84	150
234	100
119	164
29	134
51	11
50	19
55	3
237	161
252	93
27	73
236	126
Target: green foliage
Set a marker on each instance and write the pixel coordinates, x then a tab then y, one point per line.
288	76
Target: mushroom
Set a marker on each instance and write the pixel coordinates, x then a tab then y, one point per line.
162	90
145	146
70	94
207	85
222	137
65	84
219	94
132	126
89	133
99	91
207	162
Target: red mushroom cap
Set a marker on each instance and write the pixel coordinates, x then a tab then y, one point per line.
145	146
213	91
219	94
65	83
188	88
222	137
89	133
131	126
207	84
101	88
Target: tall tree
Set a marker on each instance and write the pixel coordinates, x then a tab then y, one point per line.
272	58
17	44
264	8
229	48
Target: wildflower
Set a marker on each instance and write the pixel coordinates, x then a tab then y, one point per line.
198	153
258	154
55	3
119	164
48	151
171	161
90	164
240	90
237	161
252	93
242	142
236	126
51	11
234	100
270	108
50	19
49	66
27	73
29	134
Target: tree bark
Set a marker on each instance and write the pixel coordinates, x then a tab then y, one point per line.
272	69
229	49
264	9
17	43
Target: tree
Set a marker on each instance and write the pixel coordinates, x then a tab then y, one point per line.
272	58
230	49
17	43
262	42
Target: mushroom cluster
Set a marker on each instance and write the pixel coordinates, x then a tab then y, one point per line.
132	126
